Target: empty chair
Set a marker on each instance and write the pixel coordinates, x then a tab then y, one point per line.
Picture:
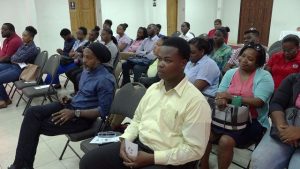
45	91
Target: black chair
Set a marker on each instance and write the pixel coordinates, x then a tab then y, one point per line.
125	102
45	91
275	47
40	61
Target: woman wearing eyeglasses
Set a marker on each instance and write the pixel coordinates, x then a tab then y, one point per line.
286	62
252	86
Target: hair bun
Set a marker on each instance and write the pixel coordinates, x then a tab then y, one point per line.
97	28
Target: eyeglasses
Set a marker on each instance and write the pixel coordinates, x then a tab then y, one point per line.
254	46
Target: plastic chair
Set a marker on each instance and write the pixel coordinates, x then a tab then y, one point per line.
45	91
125	103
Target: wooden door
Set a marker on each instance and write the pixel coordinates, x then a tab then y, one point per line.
258	14
172	8
82	13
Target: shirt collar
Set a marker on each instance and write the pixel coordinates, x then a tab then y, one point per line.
154	38
178	89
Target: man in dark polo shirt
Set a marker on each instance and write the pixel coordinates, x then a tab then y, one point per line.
10	44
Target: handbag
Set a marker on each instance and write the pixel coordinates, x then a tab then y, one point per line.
232	117
138	60
292	117
30	73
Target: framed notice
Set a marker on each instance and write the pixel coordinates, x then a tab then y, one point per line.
72	5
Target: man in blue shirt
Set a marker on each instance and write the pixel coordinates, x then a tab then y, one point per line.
69	42
94	98
10	72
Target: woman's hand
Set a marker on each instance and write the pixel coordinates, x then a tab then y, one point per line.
222	99
289	134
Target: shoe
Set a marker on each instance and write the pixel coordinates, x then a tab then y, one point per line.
8	102
3	104
57	86
14	167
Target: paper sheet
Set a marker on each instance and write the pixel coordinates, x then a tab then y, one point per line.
102	140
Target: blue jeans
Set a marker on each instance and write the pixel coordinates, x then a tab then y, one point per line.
61	69
8	73
271	153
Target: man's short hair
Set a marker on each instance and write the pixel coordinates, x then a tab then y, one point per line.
158	26
252	30
218	20
65	32
291	38
10	26
181	44
83	29
108	22
31	30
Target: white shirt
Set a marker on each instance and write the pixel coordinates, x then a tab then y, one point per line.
188	36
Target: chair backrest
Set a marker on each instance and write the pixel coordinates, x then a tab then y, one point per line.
38	49
51	66
176	34
127	99
275	47
41	59
116	61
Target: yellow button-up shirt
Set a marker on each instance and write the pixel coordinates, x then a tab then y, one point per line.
174	123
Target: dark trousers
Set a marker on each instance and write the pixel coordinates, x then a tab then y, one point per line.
138	70
37	120
107	157
74	75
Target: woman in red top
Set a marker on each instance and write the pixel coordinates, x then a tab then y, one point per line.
286	62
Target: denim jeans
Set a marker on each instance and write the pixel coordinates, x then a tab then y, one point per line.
61	69
274	154
8	73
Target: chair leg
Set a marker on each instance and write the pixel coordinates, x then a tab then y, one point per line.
74	151
11	89
63	152
12	96
27	105
21	96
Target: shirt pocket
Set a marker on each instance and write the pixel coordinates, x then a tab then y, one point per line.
170	119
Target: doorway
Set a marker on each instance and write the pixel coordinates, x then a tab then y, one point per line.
257	14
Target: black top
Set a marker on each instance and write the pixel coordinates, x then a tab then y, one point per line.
287	93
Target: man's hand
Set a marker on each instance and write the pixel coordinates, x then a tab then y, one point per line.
289	134
143	159
65	100
123	153
61	117
59	51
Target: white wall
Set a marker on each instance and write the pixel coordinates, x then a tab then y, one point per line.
47	18
230	17
285	16
135	13
201	15
51	18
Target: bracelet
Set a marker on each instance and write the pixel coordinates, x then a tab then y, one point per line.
236	101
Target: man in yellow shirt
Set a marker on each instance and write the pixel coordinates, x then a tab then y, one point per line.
171	124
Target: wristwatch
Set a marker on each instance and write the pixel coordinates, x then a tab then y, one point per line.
77	113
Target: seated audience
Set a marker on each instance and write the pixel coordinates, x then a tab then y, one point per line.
171	123
221	52
185	34
123	40
144	56
111	43
283	63
11	43
67	62
152	76
69	42
96	91
140	36
201	70
251	35
74	73
218	25
252	86
10	72
158	28
284	151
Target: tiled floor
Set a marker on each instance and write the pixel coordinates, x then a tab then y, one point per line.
49	148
